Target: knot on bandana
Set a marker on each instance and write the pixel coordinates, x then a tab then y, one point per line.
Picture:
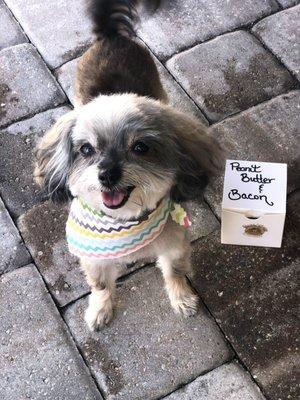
93	234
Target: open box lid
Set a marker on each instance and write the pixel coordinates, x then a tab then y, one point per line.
255	186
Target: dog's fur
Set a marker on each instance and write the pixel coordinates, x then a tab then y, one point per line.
120	101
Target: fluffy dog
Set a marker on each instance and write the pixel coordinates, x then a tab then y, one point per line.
123	152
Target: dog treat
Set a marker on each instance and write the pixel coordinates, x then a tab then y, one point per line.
254	203
255	230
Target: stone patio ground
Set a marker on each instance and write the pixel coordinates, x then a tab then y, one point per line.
234	64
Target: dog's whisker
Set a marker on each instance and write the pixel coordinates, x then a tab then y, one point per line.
136	203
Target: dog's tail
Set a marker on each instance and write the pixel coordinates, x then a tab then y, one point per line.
116	17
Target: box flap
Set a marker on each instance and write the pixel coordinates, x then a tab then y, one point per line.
254	185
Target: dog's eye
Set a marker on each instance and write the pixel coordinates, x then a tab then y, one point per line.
87	149
140	148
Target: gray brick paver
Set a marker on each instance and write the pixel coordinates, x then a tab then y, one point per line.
26	85
18	141
229	74
281	34
181	24
60	29
10	32
147	350
13	253
228	382
38	357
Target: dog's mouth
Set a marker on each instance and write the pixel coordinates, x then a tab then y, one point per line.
116	198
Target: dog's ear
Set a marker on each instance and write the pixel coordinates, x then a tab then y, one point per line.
199	156
54	157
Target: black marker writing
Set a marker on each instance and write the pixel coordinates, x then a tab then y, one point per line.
258	178
236	166
235	195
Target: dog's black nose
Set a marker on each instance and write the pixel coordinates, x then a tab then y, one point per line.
110	177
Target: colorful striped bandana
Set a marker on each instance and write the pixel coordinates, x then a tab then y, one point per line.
92	234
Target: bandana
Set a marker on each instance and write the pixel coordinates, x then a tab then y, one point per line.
92	234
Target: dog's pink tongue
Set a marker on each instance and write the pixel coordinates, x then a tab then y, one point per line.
113	198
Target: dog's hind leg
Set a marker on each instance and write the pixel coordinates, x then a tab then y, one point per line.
101	278
174	268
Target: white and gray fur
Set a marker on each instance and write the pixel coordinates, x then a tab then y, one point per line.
180	159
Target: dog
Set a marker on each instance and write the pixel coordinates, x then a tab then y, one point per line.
126	158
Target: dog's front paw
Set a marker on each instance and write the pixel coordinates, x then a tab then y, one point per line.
186	305
183	300
96	317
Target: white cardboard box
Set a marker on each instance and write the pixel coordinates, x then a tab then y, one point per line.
254	203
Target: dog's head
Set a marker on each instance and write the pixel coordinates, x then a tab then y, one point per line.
123	153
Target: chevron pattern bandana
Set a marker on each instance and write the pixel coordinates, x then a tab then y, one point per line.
92	234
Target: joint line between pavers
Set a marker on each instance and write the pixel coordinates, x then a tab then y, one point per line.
208	311
122	279
184	49
68	102
207	119
25	33
77	55
206	201
245	27
31	115
54	72
183	385
204	237
66	62
47	66
174	79
23	30
17	228
233	115
281	62
288	7
101	391
279	5
17	21
71	302
230	345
